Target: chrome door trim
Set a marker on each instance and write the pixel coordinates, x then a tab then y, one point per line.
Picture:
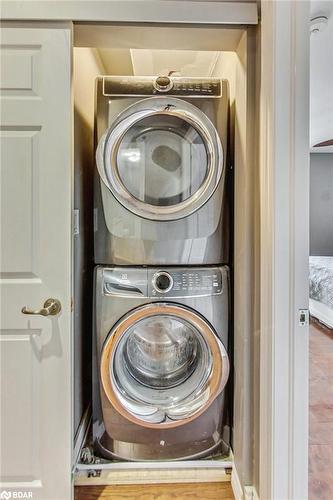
110	141
220	365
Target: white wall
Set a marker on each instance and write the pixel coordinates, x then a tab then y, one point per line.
321	75
321	204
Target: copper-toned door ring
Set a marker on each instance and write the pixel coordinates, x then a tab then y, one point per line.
162	365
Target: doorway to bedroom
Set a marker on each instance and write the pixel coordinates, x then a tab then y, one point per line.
321	254
321	328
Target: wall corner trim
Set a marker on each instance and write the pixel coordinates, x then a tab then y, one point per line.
250	493
236	485
246	493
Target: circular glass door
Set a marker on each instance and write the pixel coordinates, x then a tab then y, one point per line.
163	364
162	159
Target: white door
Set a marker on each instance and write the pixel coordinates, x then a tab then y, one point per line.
36	429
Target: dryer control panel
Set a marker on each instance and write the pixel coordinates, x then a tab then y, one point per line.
140	86
169	282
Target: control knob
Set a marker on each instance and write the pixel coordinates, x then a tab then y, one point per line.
162	281
163	83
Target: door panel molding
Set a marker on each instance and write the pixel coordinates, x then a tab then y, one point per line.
19	181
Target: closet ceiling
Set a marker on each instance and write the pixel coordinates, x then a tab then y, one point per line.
321	78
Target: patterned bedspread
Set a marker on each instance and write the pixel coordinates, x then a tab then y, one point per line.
321	280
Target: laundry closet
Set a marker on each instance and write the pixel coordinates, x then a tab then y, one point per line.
146	177
170	158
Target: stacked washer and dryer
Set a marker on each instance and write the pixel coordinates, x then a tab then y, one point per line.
161	306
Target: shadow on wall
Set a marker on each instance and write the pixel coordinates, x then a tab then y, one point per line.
83	264
321	204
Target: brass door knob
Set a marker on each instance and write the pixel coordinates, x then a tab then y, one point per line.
51	307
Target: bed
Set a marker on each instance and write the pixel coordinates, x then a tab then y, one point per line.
321	289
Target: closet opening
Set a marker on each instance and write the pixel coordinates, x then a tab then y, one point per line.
320	355
107	59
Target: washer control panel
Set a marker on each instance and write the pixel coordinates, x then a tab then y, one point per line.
185	282
169	282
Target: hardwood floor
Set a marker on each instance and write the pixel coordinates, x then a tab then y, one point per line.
189	491
321	413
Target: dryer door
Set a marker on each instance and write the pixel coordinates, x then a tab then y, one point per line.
162	159
163	364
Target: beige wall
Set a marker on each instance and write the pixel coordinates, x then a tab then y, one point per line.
239	68
87	66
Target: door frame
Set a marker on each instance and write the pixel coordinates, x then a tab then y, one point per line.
284	169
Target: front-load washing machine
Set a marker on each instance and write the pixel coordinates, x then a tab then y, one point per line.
161	149
160	362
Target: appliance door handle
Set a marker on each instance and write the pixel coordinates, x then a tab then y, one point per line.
117	287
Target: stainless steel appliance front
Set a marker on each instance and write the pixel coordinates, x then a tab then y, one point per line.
161	167
161	362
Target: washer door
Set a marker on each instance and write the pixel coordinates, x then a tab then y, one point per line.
163	364
162	159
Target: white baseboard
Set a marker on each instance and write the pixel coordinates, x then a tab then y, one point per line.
236	485
255	494
249	492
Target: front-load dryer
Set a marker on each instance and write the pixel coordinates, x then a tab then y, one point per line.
160	362
161	148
